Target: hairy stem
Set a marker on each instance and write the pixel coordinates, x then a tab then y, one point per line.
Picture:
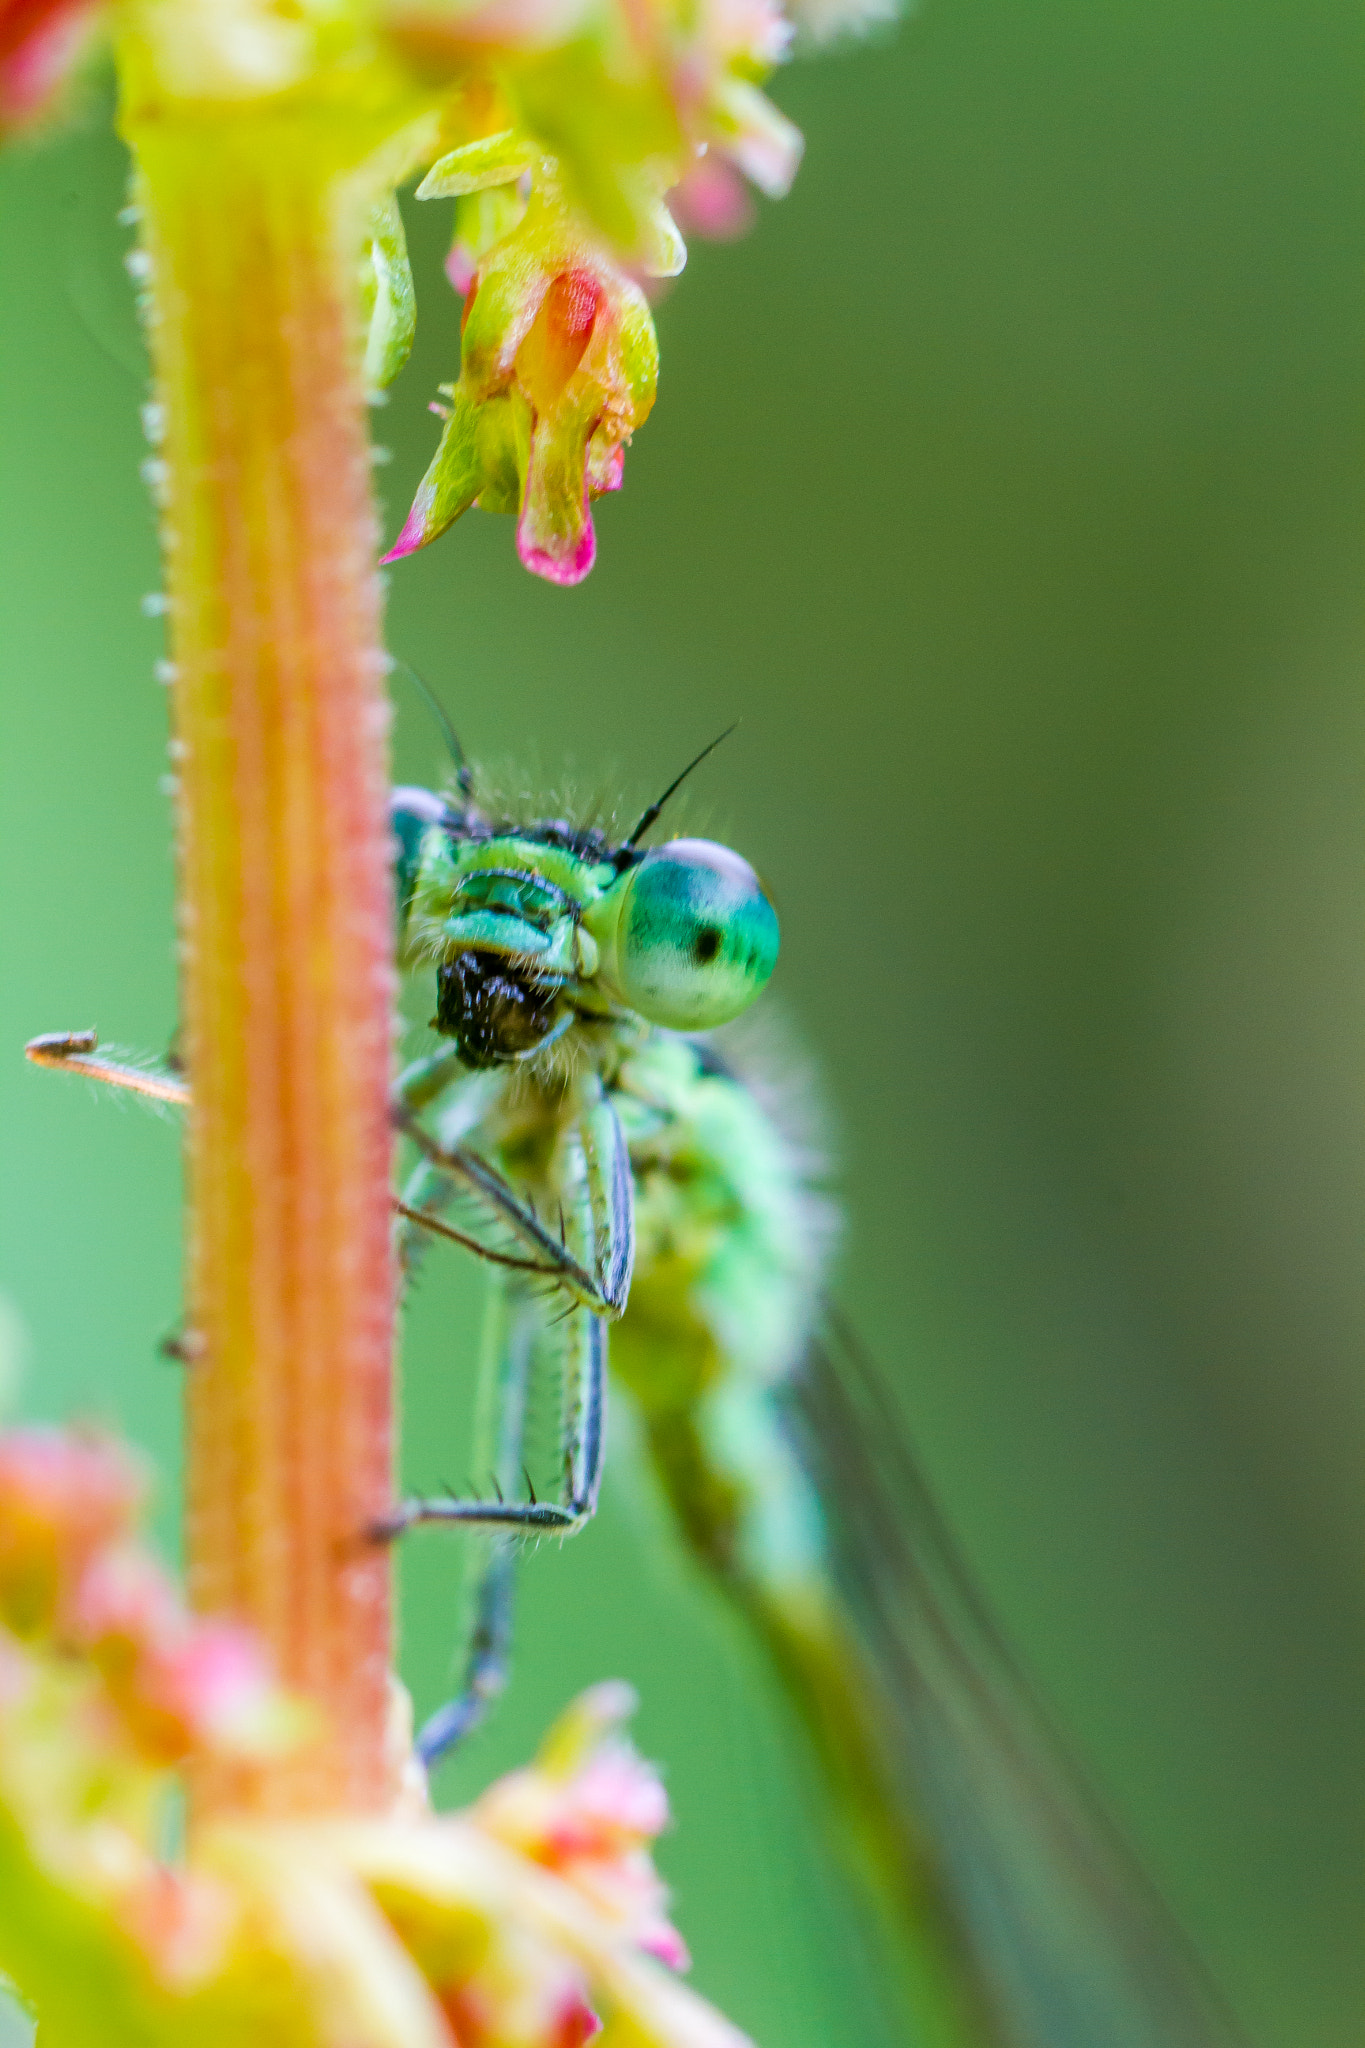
252	229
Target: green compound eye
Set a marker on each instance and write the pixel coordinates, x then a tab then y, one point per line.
698	939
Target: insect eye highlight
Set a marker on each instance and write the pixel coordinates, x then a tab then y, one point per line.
698	938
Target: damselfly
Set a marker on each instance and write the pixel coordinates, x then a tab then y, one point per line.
578	1129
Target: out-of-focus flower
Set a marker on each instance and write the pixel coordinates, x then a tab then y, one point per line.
532	1921
180	1686
64	1500
81	1600
589	1808
620	100
40	43
558	367
712	200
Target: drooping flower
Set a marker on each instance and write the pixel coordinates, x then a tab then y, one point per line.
531	1921
558	367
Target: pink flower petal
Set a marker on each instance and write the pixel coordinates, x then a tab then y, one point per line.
412	537
460	270
578	2024
605	472
712	201
663	1941
564	569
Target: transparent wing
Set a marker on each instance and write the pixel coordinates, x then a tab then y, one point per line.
1070	1945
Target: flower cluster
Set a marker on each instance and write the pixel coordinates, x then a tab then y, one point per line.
531	1921
78	1595
564	154
564	129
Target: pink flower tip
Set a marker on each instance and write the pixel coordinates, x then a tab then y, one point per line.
412	537
564	568
608	474
666	1945
712	201
577	2024
217	1685
40	42
460	270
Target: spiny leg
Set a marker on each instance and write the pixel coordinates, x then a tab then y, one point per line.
457	1102
610	1191
418	1220
585	1375
585	1413
592	1262
515	1334
600	1207
595	1218
460	1102
522	1337
499	1202
519	1337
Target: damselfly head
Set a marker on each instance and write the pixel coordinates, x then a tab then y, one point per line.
535	929
687	935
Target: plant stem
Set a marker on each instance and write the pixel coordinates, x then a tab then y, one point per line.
252	226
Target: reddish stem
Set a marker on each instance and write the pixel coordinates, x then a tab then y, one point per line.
252	226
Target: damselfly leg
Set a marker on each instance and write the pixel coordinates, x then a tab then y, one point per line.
516	1338
551	1286
77	1052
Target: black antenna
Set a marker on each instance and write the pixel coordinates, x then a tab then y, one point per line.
464	779
647	817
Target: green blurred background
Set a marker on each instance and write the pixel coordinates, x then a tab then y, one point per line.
1007	482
